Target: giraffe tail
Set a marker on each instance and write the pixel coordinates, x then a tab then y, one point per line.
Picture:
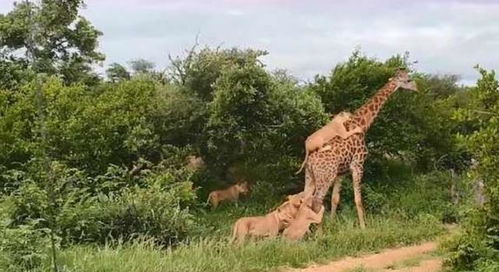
303	164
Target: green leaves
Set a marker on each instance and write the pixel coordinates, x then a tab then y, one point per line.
199	70
477	249
57	41
257	116
117	72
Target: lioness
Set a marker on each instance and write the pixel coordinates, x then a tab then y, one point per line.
195	163
260	226
306	216
229	194
265	226
291	206
336	127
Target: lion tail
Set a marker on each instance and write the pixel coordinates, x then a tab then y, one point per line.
303	164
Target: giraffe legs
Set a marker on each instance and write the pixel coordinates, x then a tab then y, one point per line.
335	197
321	187
357	171
309	183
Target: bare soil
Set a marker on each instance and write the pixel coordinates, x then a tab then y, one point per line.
390	260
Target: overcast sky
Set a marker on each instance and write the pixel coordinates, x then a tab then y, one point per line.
304	37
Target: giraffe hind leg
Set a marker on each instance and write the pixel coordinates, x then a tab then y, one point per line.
357	171
335	197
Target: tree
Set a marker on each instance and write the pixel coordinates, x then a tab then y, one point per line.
260	119
477	249
142	66
54	39
117	72
199	70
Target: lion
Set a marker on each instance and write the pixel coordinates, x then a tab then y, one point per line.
229	194
267	226
195	163
270	224
291	206
336	127
300	225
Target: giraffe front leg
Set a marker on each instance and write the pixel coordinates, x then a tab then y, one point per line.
357	171
335	197
318	199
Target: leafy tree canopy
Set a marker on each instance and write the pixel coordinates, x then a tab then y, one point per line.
48	37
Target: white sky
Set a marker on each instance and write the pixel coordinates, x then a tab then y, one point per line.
304	37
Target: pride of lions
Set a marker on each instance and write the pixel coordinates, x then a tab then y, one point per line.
294	217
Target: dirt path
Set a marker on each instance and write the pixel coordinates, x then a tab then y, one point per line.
405	259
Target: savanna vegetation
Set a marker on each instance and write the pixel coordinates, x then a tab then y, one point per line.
69	139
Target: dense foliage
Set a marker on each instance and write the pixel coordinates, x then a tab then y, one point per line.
477	248
49	37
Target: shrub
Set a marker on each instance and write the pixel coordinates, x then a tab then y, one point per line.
478	247
22	247
112	206
405	196
158	212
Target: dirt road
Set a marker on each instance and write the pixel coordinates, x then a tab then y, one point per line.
405	259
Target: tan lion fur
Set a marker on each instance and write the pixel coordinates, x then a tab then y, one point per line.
195	163
270	224
230	194
300	225
291	206
267	226
334	128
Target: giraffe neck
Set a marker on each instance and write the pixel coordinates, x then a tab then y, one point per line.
366	114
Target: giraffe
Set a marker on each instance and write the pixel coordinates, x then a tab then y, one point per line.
340	156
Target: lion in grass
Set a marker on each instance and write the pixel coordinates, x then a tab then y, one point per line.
267	226
230	194
305	216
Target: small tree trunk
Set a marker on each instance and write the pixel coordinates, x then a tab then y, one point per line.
454	192
479	188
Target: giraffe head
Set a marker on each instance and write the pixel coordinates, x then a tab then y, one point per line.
402	80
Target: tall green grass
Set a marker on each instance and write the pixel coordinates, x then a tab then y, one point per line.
340	238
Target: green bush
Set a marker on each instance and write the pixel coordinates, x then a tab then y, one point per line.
22	247
91	129
154	212
404	195
112	206
478	247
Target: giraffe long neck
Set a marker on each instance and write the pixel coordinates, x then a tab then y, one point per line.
366	114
